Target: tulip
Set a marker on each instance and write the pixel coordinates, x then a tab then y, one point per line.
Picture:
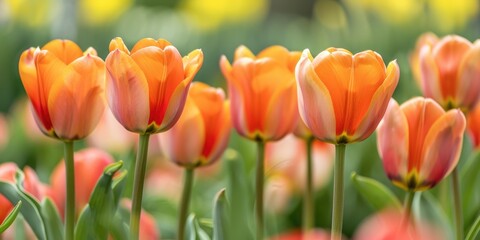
419	143
199	138
146	91
263	97
473	118
342	98
450	73
427	39
65	87
146	87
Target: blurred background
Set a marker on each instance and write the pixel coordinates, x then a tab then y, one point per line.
389	27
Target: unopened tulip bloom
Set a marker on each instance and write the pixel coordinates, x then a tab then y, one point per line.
262	92
450	73
89	166
199	138
146	90
419	143
342	97
147	86
263	102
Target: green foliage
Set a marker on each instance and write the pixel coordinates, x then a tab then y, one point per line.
10	218
194	231
374	192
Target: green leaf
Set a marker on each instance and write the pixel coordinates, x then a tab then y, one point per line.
428	207
10	218
52	220
96	218
194	231
220	216
474	229
30	207
374	192
470	194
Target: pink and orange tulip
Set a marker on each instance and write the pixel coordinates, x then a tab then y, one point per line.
427	39
419	143
201	134
473	127
65	87
450	73
342	97
89	165
262	92
146	87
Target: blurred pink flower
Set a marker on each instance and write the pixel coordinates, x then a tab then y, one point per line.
316	234
148	227
391	225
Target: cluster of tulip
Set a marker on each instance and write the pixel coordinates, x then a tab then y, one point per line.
335	97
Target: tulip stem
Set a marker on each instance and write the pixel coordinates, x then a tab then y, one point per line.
185	201
70	190
138	181
337	211
309	207
259	188
408	206
457	202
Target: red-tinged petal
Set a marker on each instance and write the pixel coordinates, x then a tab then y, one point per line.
28	75
430	75
183	143
421	114
117	43
218	138
192	64
334	69
281	113
448	54
65	50
127	91
150	42
76	104
392	142
442	147
174	108
314	100
164	72
241	52
378	104
473	118
468	92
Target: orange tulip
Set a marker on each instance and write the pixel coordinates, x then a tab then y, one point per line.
147	86
201	134
342	97
65	86
450	73
89	165
427	39
419	142
262	92
473	127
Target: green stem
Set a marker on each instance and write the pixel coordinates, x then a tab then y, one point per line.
408	207
259	188
138	181
337	211
457	202
309	207
185	201
70	189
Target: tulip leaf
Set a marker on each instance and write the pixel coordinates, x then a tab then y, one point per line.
51	217
220	216
194	231
374	192
428	207
96	218
474	229
10	218
470	194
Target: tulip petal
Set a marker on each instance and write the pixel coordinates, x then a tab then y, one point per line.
150	42
127	91
163	70
241	52
430	78
65	50
76	104
183	143
175	107
283	105
277	52
192	64
448	54
379	103
392	142
442	147
468	91
314	100
217	141
117	43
